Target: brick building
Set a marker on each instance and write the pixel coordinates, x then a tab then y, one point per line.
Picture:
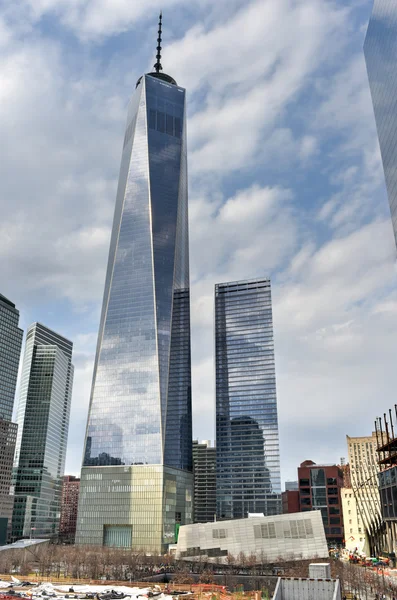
69	504
290	501
320	489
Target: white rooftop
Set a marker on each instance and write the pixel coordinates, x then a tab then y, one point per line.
22	544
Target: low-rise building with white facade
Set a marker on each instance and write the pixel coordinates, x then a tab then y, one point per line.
290	536
355	533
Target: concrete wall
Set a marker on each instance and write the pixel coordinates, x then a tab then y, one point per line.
307	589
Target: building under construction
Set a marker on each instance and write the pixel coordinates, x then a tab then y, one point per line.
387	460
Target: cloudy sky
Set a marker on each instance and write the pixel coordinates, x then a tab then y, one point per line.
285	181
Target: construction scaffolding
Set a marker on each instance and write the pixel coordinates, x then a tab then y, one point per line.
387	478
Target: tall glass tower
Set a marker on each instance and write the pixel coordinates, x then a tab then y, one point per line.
136	480
247	455
380	50
10	352
43	422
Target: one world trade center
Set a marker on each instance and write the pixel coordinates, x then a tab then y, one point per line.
136	480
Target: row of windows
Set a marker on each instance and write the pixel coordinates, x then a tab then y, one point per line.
294	529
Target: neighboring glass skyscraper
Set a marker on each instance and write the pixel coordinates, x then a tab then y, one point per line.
10	351
247	456
380	50
136	481
43	422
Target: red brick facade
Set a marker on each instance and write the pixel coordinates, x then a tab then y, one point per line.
290	500
320	489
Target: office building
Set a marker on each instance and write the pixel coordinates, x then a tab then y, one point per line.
248	458
10	351
43	422
320	489
8	438
298	537
204	476
363	520
380	50
136	480
69	504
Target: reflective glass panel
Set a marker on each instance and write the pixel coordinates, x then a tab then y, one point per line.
248	465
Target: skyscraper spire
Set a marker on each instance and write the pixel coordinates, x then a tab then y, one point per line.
157	65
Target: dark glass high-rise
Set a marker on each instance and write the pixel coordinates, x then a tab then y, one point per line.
247	440
43	413
136	481
10	351
380	51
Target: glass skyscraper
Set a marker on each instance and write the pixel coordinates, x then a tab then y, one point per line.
380	50
10	351
136	480
247	441
43	422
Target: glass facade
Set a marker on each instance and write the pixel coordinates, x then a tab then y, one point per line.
43	422
388	493
248	459
380	50
140	408
8	437
138	506
204	472
10	351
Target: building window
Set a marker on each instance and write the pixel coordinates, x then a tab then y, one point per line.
219	533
